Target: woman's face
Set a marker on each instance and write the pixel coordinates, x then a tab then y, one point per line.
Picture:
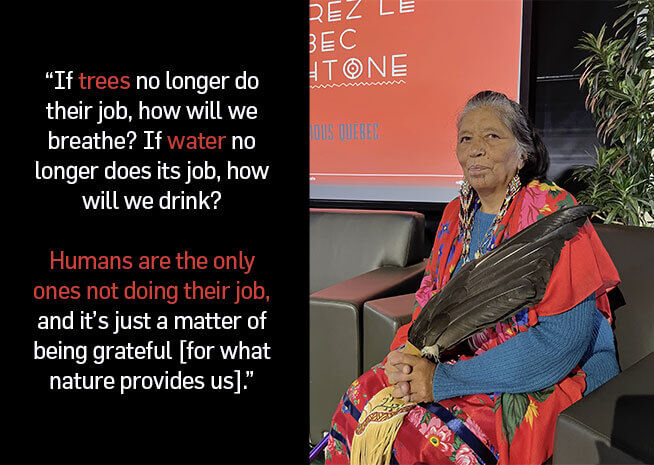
487	151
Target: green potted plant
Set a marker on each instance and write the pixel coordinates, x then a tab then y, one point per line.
619	78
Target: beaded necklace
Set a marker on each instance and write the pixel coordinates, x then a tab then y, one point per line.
467	214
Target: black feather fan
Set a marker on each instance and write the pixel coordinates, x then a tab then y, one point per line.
497	285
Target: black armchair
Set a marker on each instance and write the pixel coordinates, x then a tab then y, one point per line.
356	256
612	423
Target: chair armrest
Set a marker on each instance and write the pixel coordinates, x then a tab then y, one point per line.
381	320
613	424
335	335
382	282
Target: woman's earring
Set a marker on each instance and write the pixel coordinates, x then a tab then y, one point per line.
514	185
466	195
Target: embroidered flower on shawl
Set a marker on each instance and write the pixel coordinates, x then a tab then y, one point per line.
522	317
504	332
345	404
532	412
465	456
433	429
445	229
354	394
547	187
450	255
476	429
490	342
424	421
535	200
442	438
377	367
477	340
334	446
424	292
417	416
535	204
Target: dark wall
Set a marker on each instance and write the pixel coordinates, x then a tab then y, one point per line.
556	101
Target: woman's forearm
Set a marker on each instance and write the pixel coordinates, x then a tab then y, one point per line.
530	361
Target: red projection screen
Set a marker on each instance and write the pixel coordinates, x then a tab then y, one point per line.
387	79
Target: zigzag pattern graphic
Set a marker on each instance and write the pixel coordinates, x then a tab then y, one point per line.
350	84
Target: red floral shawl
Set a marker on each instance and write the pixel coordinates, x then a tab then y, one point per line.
524	422
584	266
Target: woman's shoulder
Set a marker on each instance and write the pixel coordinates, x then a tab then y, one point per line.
543	197
551	191
452	208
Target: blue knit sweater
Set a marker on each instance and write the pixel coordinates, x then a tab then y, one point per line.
537	358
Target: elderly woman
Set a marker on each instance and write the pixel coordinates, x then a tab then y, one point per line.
497	396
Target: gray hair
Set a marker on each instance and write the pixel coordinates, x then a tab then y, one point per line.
530	146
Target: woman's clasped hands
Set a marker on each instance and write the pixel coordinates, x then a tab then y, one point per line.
412	376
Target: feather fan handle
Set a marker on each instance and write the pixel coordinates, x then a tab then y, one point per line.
497	285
